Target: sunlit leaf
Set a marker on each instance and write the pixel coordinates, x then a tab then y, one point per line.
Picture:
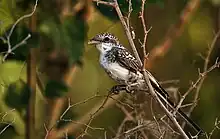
6	15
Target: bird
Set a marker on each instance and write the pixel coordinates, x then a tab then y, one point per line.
119	63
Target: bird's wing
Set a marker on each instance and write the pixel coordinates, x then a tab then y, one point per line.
126	59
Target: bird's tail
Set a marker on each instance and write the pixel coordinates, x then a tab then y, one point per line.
183	115
163	95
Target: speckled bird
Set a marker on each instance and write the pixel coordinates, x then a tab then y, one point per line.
124	68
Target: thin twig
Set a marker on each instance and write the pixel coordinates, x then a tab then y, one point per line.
147	81
145	32
130	131
3	121
58	103
146	77
92	116
10	51
104	3
194	85
198	84
87	118
154	117
205	68
152	91
216	127
173	32
8	37
78	103
126	29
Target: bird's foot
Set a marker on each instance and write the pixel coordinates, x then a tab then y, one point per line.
129	89
117	89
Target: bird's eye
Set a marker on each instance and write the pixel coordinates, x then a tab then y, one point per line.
106	39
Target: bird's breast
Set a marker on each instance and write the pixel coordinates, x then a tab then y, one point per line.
114	70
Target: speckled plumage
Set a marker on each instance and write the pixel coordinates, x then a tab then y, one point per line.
122	66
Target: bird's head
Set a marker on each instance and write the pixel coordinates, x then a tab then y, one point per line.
104	41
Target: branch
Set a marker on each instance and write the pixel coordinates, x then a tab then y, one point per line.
8	124
146	76
87	118
205	68
31	81
127	31
216	127
104	3
67	10
8	37
202	76
174	32
58	103
145	32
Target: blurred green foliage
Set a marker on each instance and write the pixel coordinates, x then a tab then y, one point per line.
17	95
19	33
61	34
55	89
6	14
110	12
71	34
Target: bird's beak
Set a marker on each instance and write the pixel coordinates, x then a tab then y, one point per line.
92	41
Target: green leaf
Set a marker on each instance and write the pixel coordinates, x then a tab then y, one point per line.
19	34
55	89
6	14
17	95
75	31
25	4
70	35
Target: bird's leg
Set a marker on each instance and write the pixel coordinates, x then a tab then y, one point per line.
131	87
118	88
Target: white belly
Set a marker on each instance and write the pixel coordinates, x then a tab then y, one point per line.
114	70
118	71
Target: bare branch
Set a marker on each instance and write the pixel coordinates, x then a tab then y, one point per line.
205	68
6	123
201	78
87	118
216	127
128	33
145	32
173	32
8	37
146	77
104	3
78	103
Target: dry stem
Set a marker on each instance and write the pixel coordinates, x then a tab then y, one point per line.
173	32
8	37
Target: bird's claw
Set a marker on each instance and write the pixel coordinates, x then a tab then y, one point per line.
129	89
116	89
